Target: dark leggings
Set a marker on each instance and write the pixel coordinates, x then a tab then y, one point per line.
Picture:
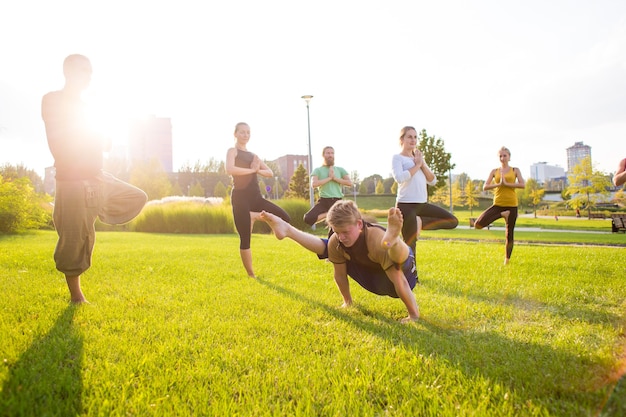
433	218
246	201
492	214
323	205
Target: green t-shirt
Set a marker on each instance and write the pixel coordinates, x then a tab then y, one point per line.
331	189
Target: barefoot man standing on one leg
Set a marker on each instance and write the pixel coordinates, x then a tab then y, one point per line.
83	190
377	259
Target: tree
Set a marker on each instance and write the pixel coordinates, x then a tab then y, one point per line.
441	196
380	188
458	199
20	207
150	177
196	190
619	197
394	188
463	179
207	174
388	185
354	176
535	192
220	190
299	184
176	190
368	185
13	172
274	167
437	159
263	188
470	195
587	186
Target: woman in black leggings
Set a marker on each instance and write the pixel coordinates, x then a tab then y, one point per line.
413	177
246	197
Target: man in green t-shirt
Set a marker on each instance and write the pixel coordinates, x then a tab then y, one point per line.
329	179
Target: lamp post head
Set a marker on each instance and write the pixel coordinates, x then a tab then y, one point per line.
307	98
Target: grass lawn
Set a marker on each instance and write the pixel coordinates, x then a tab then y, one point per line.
175	327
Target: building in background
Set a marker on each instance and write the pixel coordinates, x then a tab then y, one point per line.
577	153
543	173
151	139
289	163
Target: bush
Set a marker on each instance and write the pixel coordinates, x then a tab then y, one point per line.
201	216
21	208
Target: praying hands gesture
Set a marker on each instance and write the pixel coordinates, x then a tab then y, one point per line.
418	158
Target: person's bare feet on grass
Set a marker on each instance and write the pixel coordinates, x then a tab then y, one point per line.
76	293
394	227
278	226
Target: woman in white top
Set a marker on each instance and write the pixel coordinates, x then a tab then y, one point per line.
413	176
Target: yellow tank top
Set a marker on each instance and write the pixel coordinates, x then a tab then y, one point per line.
505	196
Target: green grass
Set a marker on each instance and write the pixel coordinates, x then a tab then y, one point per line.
176	328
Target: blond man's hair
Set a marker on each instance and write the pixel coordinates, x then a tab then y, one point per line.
343	213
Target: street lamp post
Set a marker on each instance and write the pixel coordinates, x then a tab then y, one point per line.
450	181
308	98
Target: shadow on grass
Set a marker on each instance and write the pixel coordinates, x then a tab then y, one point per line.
571	311
559	381
46	379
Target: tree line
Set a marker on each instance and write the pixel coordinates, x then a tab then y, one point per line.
25	205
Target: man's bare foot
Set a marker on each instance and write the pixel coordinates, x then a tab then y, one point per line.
80	301
505	215
278	225
506	261
394	226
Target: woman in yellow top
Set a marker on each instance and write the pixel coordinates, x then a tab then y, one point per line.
503	181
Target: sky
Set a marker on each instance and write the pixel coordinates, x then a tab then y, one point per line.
535	76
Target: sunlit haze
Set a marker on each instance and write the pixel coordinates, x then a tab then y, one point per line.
535	76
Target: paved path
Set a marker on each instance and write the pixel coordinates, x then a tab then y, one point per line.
539	229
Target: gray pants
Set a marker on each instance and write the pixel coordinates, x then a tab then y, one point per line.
77	204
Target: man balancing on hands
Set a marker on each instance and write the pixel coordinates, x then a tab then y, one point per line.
377	259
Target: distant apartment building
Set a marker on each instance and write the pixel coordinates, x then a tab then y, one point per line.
543	173
577	153
289	163
151	139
